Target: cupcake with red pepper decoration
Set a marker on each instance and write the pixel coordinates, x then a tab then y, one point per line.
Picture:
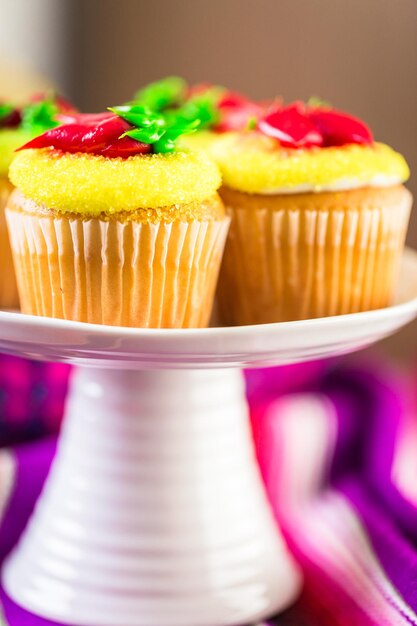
17	126
319	217
220	111
111	224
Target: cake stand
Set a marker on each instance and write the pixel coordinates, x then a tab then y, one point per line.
154	513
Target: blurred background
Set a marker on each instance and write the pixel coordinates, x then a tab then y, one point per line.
360	55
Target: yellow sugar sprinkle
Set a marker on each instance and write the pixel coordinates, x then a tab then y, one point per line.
10	139
201	141
256	164
84	183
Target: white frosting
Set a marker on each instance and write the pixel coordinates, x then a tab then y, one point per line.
343	184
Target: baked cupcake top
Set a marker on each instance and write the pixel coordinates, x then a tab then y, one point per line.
301	148
118	161
20	124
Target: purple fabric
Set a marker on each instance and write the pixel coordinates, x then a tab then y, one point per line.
32	465
390	519
17	616
397	555
31	399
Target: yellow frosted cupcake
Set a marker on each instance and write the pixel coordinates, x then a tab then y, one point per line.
111	225
319	217
17	126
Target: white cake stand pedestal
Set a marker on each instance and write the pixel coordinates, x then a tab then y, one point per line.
154	513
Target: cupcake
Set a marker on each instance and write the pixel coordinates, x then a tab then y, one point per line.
219	110
17	126
319	217
110	224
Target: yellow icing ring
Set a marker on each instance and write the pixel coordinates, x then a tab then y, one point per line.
84	183
256	164
203	141
10	139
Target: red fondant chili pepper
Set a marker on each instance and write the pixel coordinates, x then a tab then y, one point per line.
338	128
91	133
299	126
236	112
292	127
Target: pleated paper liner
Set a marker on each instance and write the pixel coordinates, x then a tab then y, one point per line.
9	297
311	255
117	272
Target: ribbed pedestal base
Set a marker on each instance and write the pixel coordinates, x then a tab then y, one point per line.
154	513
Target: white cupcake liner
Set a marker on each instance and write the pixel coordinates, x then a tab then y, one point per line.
9	297
302	263
117	272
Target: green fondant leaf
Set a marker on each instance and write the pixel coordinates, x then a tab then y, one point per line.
38	117
315	103
5	110
157	128
163	93
202	108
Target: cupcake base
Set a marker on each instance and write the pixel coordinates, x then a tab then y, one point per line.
311	255
9	297
108	270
